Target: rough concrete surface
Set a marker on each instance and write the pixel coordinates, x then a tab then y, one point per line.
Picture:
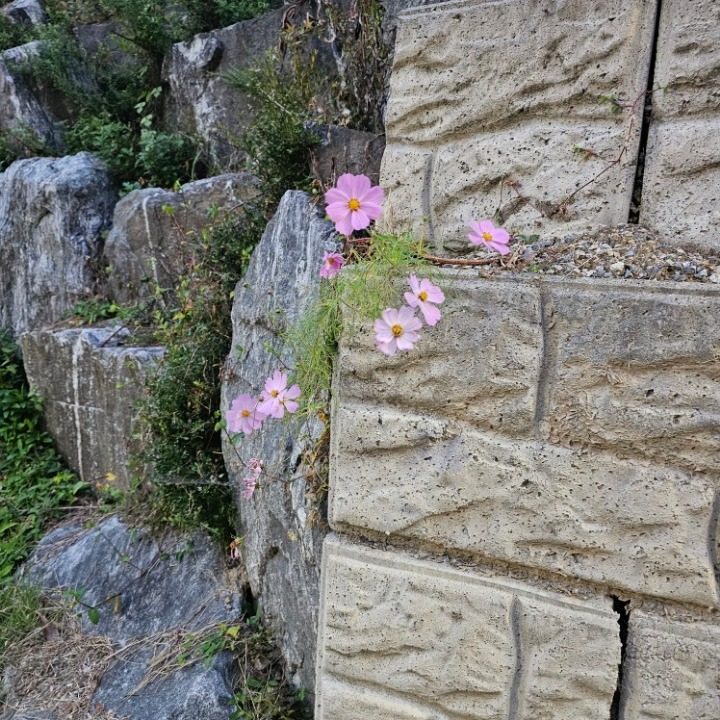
672	670
410	639
486	92
91	382
567	426
681	185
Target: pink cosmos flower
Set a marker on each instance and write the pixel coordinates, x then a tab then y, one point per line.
425	295
245	415
276	398
354	203
485	233
253	467
249	485
332	265
397	330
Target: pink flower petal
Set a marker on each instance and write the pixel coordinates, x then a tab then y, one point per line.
486	226
415	285
501	235
411	300
390	316
291	406
406	342
434	293
406	315
374	196
430	313
337	210
333	195
346	184
502	249
361	184
388	348
372	210
293	392
359	220
344	225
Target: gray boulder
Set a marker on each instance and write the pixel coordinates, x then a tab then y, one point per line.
26	125
91	381
201	100
282	524
28	12
153	230
342	150
146	590
53	212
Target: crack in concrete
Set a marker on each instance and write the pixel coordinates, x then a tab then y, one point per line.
621	608
519	681
636	197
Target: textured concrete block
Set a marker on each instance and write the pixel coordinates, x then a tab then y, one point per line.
509	90
680	196
636	372
409	639
480	364
672	670
90	383
449	444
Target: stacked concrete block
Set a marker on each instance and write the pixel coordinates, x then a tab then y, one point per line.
681	188
484	95
558	441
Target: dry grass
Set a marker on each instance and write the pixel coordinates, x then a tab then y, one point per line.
56	667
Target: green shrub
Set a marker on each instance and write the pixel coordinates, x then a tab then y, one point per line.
34	482
278	142
204	15
12	34
182	412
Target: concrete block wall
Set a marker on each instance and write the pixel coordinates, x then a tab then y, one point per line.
526	509
562	116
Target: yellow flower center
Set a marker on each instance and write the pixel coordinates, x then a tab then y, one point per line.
354	204
245	413
397	330
422	295
487	237
274	393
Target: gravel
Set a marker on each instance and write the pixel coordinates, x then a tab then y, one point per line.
625	251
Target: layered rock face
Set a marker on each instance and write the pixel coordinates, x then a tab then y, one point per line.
155	232
202	101
282	525
147	591
23	117
558	439
53	212
91	382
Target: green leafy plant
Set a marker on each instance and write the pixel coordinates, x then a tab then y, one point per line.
181	413
34	483
361	291
12	34
278	141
